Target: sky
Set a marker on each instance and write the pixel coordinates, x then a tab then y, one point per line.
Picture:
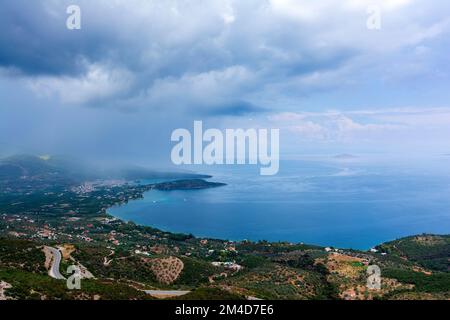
138	69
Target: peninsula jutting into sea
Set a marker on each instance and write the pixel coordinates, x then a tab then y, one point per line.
51	219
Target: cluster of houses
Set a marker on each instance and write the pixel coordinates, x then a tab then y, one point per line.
373	250
46	233
144	253
232	266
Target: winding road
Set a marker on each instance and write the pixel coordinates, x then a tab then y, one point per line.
56	261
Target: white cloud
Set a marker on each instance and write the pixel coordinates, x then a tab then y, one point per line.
388	5
302	10
364	125
190	89
98	83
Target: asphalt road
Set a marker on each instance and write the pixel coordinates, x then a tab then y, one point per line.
54	269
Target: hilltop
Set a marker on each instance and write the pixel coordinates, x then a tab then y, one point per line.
60	170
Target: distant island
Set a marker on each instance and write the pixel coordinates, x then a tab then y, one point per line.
345	156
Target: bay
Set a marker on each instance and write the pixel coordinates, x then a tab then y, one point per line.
347	203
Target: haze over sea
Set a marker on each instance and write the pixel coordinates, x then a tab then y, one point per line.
331	201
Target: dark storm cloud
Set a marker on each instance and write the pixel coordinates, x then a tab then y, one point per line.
35	40
237	108
129	53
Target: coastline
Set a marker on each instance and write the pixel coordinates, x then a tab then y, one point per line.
123	255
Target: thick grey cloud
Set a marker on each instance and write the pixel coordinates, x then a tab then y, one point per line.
133	54
130	49
145	67
35	42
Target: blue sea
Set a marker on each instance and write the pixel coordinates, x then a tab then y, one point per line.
346	203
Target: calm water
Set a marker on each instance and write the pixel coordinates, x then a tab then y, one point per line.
344	203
